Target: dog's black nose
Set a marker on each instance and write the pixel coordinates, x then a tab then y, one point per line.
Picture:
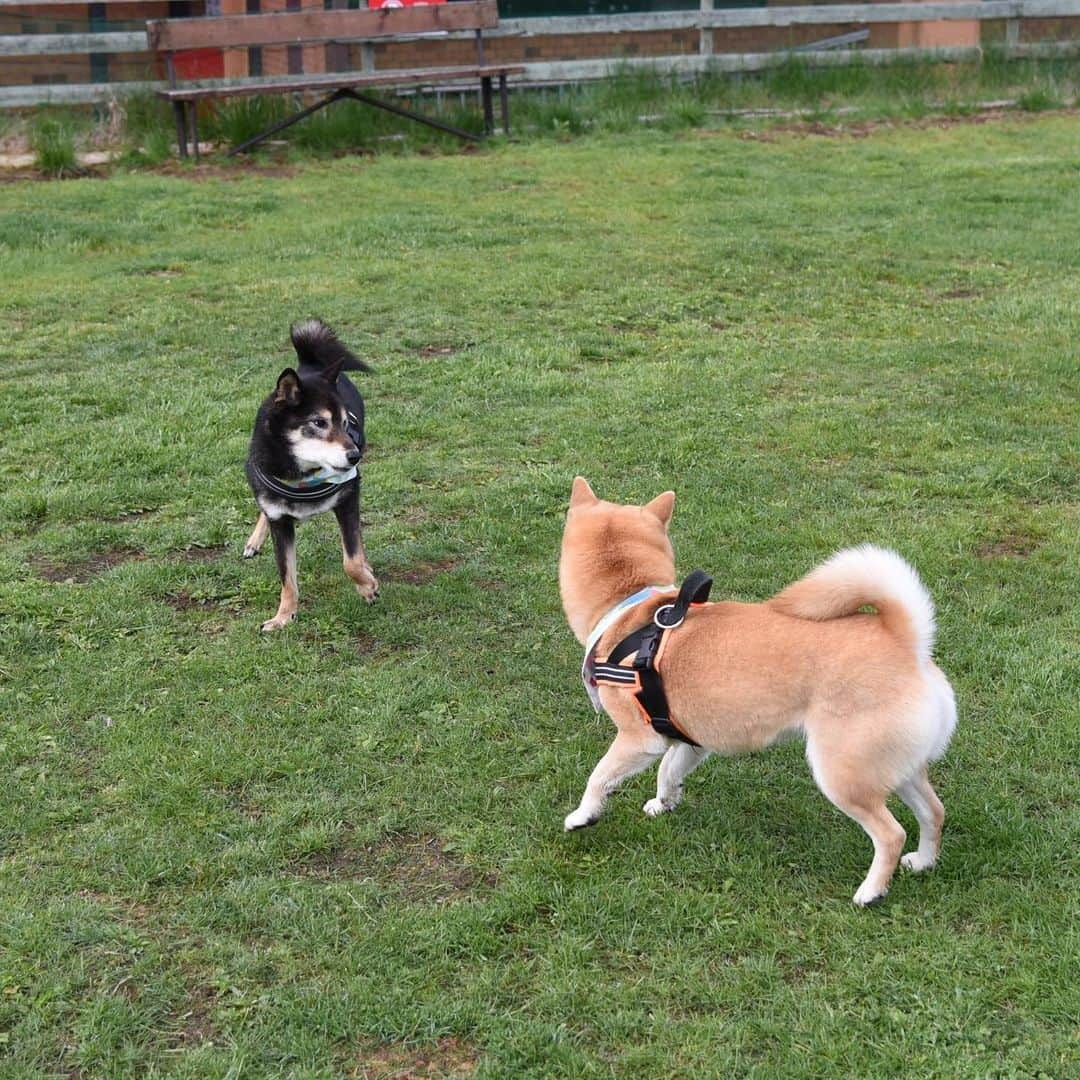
352	457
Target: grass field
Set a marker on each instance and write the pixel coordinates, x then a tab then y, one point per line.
339	850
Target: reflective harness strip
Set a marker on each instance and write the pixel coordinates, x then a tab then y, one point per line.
646	647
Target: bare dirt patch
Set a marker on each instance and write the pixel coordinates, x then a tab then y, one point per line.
437	352
422	572
185	600
134	515
1013	546
161	272
363	644
449	1057
238	171
861	129
420	868
647	330
238	799
78	573
132	911
194	1025
206	553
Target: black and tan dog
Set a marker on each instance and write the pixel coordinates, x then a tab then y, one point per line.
304	458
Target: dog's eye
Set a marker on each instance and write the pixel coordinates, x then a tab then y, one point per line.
320	422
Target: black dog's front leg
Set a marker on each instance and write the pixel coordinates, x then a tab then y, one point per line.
352	548
284	533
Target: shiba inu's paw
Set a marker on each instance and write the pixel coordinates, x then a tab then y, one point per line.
916	863
277	622
866	894
370	592
579	819
257	538
656	807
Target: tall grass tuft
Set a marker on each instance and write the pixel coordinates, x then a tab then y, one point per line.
238	119
1039	98
146	113
53	143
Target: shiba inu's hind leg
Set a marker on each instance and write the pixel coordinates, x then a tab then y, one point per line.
888	838
627	755
923	802
257	538
851	785
679	762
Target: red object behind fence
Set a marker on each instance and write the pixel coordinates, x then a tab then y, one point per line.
200	64
401	3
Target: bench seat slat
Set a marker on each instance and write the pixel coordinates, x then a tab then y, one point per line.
388	78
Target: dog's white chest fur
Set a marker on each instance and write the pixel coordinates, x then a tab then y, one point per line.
275	509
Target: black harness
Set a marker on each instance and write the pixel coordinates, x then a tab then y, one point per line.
647	647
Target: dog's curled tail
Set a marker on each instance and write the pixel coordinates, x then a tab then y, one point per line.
318	346
860	576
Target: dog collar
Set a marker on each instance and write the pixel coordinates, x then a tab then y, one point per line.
316	485
588	674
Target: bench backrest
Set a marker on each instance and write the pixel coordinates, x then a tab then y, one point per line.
295	27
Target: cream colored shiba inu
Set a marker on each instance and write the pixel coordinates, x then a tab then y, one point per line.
862	688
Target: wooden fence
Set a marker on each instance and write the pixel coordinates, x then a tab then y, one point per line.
705	21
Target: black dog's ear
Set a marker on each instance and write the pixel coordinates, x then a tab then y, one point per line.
333	370
288	390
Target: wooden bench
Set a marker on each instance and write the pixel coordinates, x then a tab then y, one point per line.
170	36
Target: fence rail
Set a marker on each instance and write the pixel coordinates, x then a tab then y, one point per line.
810	15
705	20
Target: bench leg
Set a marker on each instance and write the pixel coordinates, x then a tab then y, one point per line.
504	104
397	110
489	111
337	95
181	128
195	128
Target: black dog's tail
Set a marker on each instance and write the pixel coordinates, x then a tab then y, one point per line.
318	347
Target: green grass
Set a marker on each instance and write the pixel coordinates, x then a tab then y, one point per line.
53	143
338	850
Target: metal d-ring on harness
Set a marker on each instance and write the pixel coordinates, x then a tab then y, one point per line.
647	647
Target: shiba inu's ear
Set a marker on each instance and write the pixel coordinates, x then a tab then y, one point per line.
581	494
288	390
662	507
333	370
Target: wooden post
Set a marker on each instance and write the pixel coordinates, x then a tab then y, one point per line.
235	60
1012	35
705	34
337	53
